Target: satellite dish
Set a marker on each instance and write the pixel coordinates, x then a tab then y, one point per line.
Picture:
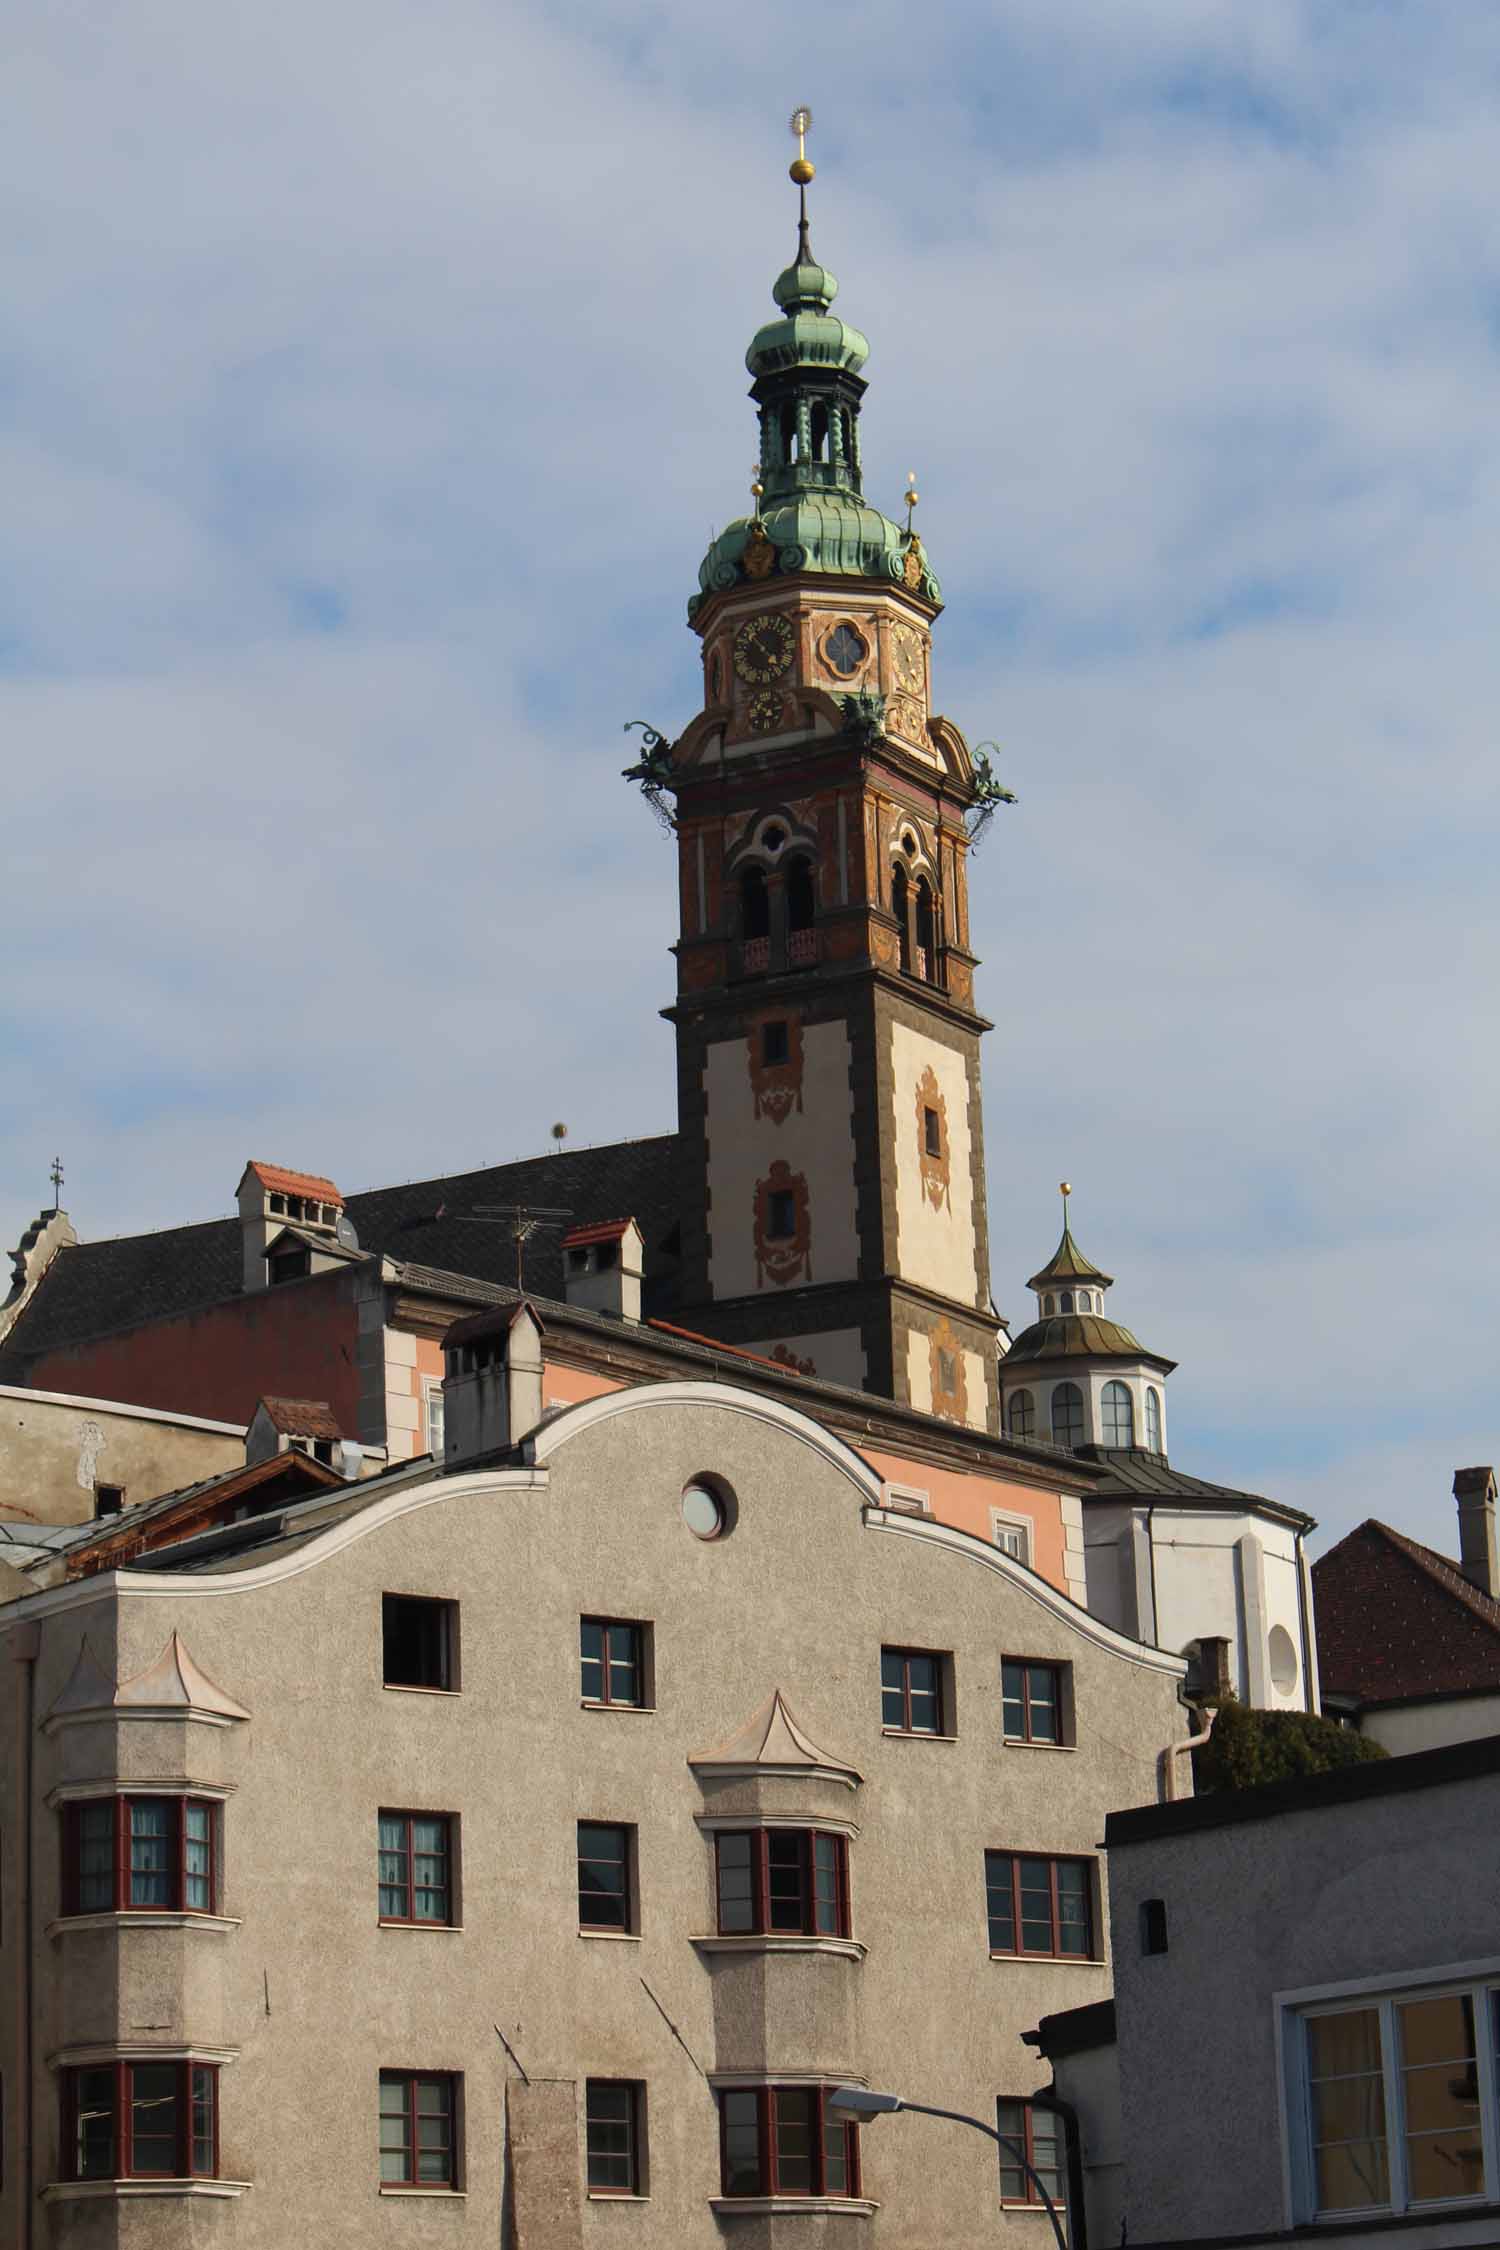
344	1230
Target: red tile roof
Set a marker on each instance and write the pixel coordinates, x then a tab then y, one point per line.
302	1417
599	1230
272	1176
1396	1621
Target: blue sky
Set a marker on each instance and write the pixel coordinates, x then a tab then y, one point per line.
370	384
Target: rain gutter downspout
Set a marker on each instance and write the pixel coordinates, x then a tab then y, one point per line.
1166	1789
25	1650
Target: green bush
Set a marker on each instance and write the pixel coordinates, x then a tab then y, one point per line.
1249	1748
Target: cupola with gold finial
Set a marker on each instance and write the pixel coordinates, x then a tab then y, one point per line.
810	511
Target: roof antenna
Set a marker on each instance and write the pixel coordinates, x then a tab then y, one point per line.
56	1177
802	172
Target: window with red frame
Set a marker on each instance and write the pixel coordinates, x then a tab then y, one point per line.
141	2121
1040	1906
415	1855
1037	2131
611	1657
791	1879
418	2129
780	2140
151	1854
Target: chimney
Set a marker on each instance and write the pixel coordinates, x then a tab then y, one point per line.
602	1268
300	1206
492	1393
1474	1490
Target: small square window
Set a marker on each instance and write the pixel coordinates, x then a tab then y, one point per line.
912	1691
1012	1535
1033	1699
420	1642
578	1259
109	1499
612	1659
781	1215
774	1042
606	1887
615	2136
932	1132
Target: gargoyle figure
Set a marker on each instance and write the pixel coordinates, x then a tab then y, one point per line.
864	717
989	792
653	771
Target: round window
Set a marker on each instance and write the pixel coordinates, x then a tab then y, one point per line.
773	839
1283	1655
703	1510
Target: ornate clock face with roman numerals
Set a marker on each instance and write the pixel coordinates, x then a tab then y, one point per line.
763	648
909	661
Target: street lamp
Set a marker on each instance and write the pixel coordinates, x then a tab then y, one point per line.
858	2105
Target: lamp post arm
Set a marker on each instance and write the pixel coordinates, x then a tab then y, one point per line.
1002	2141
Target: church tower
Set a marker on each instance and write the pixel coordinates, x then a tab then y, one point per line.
833	1204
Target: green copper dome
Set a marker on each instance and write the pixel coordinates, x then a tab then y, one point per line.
813	514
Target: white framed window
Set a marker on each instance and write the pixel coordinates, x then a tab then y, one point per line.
908	1499
1394	2100
1012	1535
432	1415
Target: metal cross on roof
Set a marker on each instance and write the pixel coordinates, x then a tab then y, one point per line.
56	1177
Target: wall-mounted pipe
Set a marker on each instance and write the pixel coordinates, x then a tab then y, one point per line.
1166	1763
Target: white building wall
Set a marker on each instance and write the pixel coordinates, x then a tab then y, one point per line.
1423	1726
742	1148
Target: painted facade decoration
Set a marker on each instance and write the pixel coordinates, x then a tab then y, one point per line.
949	1377
935	1234
775	1084
932	1140
782	1256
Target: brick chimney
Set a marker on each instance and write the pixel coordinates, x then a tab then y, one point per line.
1474	1490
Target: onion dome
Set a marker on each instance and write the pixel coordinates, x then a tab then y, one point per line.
1070	1299
811	514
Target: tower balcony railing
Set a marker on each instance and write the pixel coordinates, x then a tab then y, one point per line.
802	949
755	956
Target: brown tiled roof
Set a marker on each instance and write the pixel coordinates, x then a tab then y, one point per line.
272	1177
97	1288
1396	1621
302	1417
602	1230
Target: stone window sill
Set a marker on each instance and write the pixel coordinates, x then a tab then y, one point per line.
778	1941
914	1734
439	1929
71	2191
614	1937
1019	1742
602	2195
143	1918
790	2206
424	2194
1052	1960
641	1711
410	1687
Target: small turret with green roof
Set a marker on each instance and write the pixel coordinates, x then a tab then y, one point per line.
811	513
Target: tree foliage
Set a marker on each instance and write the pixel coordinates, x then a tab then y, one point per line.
1248	1748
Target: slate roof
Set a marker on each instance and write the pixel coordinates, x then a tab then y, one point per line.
1397	1621
1134	1473
1068	1263
96	1288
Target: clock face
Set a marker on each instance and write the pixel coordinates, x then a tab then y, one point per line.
764	712
910	660
763	648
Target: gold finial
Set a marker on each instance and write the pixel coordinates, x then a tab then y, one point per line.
912	496
757	489
1065	1189
801	123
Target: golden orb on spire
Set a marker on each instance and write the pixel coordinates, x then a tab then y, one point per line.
1064	1187
800	123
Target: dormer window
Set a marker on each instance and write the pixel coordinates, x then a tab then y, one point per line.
288	1265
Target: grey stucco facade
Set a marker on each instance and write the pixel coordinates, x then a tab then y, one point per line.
301	1997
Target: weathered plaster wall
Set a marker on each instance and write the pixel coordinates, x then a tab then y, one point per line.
54	1450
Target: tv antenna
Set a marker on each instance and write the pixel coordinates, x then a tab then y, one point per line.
524	1220
56	1177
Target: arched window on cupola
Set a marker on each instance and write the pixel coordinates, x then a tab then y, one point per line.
926	947
1067	1414
1049	1307
789	431
901	908
1153	1419
755	905
1119	1415
820	433
1065	1301
1020	1415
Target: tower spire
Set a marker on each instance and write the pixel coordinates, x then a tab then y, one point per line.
802	172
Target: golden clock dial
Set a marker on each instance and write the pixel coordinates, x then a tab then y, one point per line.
763	648
909	660
764	712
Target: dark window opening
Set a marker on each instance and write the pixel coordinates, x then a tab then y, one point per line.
755	905
801	895
614	2136
278	1206
789	432
781	1215
775	1042
141	1854
1032	1697
932	1132
900	907
605	1892
606	1257
1040	1906
794	1880
1153	1925
141	2120
820	433
419	2129
415	1858
1037	2133
578	1261
925	928
612	1661
420	1637
780	2140
109	1499
911	1691
288	1265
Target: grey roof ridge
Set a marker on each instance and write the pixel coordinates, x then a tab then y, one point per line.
507	1163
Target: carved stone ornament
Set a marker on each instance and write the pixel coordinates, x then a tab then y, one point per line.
950	1382
936	1163
775	1086
759	557
782	1258
914	564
